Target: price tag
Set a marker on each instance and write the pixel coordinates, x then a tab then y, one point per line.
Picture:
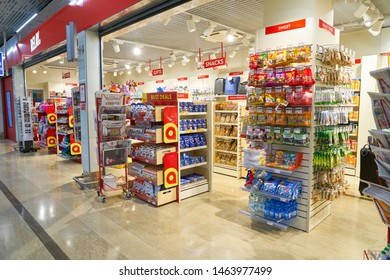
289	90
283	200
299	89
278	110
267	129
270	223
287	130
298	111
277	130
268	90
278	89
259	109
297	130
277	171
269	110
289	110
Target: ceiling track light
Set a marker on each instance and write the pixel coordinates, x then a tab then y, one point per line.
371	16
137	50
115	73
166	21
173	56
209	29
115	46
363	7
376	27
191	27
170	65
233	54
186	58
245	41
213	56
231	36
183	62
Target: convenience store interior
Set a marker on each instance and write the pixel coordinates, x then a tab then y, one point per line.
206	226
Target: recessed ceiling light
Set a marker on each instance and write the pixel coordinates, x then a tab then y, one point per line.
116	47
209	29
137	51
34	71
44	72
115	73
127	66
231	37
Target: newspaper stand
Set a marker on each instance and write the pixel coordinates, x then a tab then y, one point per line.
113	145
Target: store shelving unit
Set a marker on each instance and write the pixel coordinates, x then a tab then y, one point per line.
155	164
76	120
46	125
195	124
227	138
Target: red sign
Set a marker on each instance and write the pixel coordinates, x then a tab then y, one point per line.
215	62
53	30
162	98
237	97
182	96
182	79
157	72
71	85
326	26
285	26
83	106
159	81
203	77
358	61
141	83
66	75
236	73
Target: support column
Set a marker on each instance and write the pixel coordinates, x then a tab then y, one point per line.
89	75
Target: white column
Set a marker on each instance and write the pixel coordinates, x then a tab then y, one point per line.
89	74
19	83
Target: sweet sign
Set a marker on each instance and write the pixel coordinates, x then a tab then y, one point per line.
285	26
214	63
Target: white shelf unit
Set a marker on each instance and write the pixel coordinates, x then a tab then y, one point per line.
221	168
202	168
24	106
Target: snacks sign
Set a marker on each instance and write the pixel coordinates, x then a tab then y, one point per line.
218	62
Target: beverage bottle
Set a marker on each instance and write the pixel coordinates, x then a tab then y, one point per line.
382	255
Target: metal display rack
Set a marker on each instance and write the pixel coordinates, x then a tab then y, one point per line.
24	108
113	146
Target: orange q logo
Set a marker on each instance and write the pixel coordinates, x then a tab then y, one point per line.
52	118
75	149
170	178
170	133
51	141
71	121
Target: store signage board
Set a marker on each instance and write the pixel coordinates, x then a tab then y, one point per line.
201	77
218	62
141	83
66	75
237	97
157	72
35	41
83	97
358	61
236	73
182	79
285	26
71	85
162	98
327	27
1	65
159	81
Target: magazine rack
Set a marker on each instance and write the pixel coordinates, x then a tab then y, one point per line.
113	145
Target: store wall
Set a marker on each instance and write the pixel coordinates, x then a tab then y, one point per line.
171	75
2	134
52	81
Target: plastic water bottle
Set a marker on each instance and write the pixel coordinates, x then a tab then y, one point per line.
382	256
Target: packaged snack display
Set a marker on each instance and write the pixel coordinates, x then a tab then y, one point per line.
285	160
186	159
191	178
192	141
191	107
226	159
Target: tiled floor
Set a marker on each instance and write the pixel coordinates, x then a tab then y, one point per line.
208	226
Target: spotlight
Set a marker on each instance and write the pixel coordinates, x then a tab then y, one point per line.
34	71
116	47
186	58
137	51
213	56
173	56
166	21
139	69
61	61
127	66
129	72
209	29
44	72
376	27
245	41
232	54
363	7
231	37
147	68
170	65
191	25
370	17
115	73
183	62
